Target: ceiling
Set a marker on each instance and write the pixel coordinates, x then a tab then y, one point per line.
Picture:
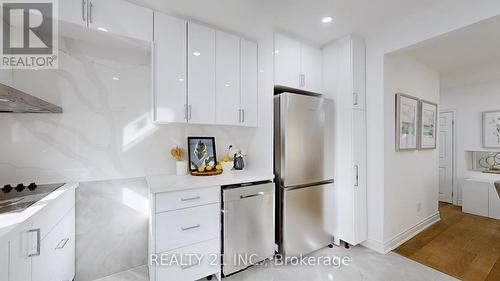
301	18
465	50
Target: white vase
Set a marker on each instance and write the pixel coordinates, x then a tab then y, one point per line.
181	168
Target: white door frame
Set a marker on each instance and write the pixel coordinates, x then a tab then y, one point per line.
454	155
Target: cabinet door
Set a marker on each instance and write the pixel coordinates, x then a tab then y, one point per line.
228	79
122	18
4	259
475	198
201	74
73	11
249	83
494	205
169	69
57	252
359	176
358	61
22	243
286	61
310	59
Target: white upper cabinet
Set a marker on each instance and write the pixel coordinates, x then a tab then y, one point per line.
228	79
352	69
286	61
169	69
73	11
249	83
122	18
201	74
296	65
310	59
114	16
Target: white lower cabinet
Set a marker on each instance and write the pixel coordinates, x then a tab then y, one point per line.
191	263
188	226
480	197
494	204
184	241
43	247
57	252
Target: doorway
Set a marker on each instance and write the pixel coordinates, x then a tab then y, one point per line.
447	157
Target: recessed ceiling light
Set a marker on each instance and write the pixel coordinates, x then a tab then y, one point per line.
326	19
181	79
4	100
102	29
197	54
116	78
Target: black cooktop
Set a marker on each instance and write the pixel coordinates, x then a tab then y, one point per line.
20	197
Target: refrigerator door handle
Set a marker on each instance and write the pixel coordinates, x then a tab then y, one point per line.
356	175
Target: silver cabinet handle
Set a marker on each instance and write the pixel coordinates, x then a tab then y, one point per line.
190	199
37	241
84	8
197	262
253	195
355	98
190	227
242	116
356	177
91	6
62	244
239	115
186	112
190	112
302	80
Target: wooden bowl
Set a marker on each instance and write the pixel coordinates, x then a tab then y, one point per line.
206	173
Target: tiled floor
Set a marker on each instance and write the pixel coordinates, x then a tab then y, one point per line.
366	265
461	245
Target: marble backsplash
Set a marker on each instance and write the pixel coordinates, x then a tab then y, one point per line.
111	227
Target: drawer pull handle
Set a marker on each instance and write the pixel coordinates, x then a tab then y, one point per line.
62	244
35	243
190	199
191	265
191	227
253	195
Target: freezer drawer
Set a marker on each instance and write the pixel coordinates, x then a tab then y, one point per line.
306	219
248	226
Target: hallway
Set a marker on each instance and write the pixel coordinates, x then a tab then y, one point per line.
461	245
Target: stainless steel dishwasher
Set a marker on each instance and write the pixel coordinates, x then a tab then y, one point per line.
248	225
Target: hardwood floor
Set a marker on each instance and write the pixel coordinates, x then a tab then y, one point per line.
461	245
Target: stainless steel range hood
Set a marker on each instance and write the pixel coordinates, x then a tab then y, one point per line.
15	101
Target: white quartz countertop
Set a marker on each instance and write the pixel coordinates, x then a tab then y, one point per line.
10	221
168	183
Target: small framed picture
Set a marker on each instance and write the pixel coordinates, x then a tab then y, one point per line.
406	122
491	129
428	125
201	152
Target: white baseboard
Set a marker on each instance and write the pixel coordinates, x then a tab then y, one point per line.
374	245
406	235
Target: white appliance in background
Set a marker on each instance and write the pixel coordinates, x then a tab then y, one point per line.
304	157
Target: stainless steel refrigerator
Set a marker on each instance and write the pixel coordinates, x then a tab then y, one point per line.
303	164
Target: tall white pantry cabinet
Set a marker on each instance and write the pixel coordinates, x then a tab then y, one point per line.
344	80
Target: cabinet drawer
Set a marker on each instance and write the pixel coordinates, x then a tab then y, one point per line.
187	198
187	226
205	261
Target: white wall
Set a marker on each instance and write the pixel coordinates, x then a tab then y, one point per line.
470	101
106	130
411	177
443	17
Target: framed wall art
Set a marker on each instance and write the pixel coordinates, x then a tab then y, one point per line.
491	129
406	122
428	125
201	152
